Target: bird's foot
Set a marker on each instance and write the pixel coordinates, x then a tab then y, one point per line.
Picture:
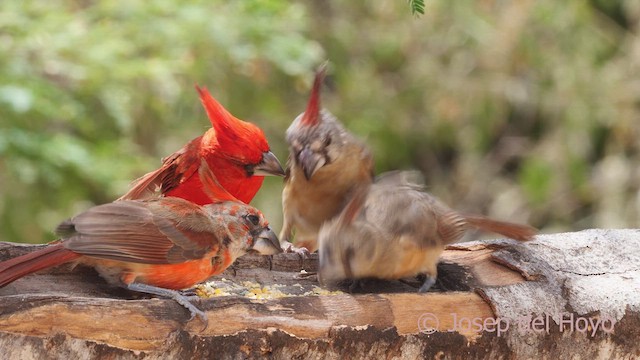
184	300
428	283
356	285
189	293
305	275
288	247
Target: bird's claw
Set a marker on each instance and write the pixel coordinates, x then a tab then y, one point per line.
356	285
428	283
194	311
290	248
306	275
181	299
189	293
201	314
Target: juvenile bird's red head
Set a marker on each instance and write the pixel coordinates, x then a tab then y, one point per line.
239	141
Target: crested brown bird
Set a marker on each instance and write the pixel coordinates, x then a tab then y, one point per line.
393	229
325	164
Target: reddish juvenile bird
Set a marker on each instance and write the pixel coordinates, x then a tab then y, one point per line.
155	246
325	164
394	229
235	150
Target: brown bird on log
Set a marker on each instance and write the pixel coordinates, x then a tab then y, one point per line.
393	229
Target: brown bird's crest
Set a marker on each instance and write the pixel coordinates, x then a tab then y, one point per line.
312	112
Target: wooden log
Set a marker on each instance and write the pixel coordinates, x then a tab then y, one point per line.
562	295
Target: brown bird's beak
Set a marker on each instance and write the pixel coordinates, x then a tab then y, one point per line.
270	165
310	162
267	243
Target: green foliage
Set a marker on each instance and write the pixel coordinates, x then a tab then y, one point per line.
525	110
93	94
535	178
417	6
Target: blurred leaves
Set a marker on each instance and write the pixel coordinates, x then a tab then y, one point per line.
523	110
92	94
535	179
417	6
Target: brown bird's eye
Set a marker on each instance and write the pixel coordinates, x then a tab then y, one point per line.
253	219
327	141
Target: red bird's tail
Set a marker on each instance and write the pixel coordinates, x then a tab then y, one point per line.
20	266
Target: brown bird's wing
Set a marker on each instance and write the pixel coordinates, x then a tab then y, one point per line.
450	224
400	204
176	168
163	231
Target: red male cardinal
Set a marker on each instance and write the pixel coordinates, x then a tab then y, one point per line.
235	150
155	246
325	164
393	229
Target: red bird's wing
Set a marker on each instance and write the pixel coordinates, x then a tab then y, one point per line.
211	186
163	231
176	169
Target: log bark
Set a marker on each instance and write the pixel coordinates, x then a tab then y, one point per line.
562	295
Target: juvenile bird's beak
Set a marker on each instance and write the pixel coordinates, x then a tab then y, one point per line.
267	243
270	165
310	162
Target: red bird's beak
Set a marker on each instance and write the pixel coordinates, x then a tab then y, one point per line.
270	165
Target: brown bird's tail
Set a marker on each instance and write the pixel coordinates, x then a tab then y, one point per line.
514	231
20	266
